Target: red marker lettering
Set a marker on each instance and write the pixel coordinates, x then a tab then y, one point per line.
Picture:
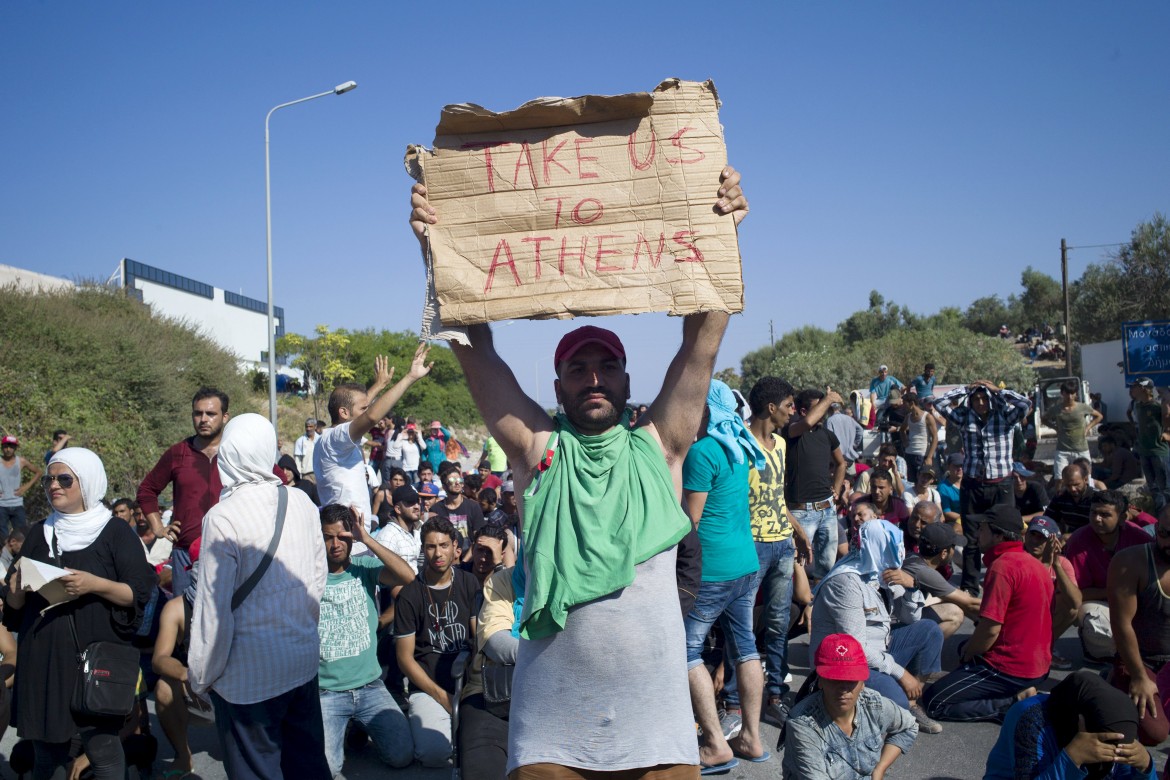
557	223
680	238
676	140
501	247
487	157
551	159
631	146
603	252
580	256
656	257
581	174
536	241
580	220
524	160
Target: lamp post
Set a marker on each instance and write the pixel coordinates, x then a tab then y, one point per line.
340	89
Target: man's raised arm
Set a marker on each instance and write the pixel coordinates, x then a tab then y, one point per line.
380	406
678	409
511	417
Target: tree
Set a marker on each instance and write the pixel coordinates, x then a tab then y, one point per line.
1041	302
325	359
1134	285
985	315
881	317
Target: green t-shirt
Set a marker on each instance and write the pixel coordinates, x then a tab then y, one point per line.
497	460
1069	425
1148	416
725	529
348	627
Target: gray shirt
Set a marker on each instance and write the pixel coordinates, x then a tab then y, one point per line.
610	691
846	605
847	431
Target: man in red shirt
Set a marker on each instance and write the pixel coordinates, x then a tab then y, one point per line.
191	467
1010	651
1090	550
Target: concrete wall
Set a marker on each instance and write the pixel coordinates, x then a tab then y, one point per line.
1099	367
30	280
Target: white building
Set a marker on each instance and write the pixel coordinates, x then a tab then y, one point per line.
32	281
235	322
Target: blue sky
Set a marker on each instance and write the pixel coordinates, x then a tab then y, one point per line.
928	150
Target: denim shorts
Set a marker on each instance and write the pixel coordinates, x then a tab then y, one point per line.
732	600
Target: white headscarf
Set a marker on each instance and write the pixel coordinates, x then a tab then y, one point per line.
77	531
246	453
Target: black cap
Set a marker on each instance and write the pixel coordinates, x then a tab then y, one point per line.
955	459
404	495
1005	517
938	537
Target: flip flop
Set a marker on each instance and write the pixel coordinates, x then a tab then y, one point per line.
758	759
718	769
178	774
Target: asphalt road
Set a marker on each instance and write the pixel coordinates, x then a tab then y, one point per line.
958	753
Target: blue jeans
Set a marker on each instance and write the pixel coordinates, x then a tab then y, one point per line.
732	600
777	561
180	570
918	649
372	706
820	526
12	518
1155	471
975	691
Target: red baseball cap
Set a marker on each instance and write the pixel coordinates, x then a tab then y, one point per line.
840	657
10	440
572	341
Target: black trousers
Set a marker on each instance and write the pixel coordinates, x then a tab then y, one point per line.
974	498
281	737
483	741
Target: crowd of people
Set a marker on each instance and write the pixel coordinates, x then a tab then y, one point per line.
611	588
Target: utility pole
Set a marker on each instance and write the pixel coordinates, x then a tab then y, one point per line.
1068	342
771	334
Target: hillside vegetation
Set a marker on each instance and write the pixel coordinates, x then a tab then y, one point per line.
105	368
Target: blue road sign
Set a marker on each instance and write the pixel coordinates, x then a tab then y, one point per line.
1147	350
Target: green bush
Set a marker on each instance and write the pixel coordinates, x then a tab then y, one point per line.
104	367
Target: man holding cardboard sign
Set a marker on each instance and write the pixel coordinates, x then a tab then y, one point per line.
600	681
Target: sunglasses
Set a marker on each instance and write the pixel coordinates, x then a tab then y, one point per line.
64	480
1163	533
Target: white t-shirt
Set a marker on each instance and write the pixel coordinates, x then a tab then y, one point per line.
341	473
410	455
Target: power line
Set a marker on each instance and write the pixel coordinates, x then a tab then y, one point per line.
1098	246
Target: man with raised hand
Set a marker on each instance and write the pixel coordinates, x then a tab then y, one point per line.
337	456
634	715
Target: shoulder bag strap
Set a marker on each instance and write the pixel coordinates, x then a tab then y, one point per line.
72	622
281	507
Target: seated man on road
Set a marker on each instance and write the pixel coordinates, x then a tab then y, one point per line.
1011	649
433	624
888	503
169	662
1119	466
845	730
889	460
1031	497
1042	540
489	545
349	676
928	570
1139	579
850	600
1082	729
1070	507
1089	550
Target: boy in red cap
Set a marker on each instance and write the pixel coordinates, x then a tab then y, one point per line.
12	489
870	734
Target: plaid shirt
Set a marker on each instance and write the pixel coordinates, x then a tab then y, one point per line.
987	443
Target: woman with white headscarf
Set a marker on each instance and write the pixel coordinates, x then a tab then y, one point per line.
855	598
110	583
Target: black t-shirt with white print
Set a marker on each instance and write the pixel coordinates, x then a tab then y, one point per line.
440	621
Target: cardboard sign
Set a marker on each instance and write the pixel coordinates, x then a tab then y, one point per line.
592	205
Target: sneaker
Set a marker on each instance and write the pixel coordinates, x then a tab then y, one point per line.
776	712
926	724
731	721
1060	663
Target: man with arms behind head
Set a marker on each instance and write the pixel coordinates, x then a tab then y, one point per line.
634	715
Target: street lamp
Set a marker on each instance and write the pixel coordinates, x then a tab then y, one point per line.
340	89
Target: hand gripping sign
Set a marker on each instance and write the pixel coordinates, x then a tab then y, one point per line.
582	206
